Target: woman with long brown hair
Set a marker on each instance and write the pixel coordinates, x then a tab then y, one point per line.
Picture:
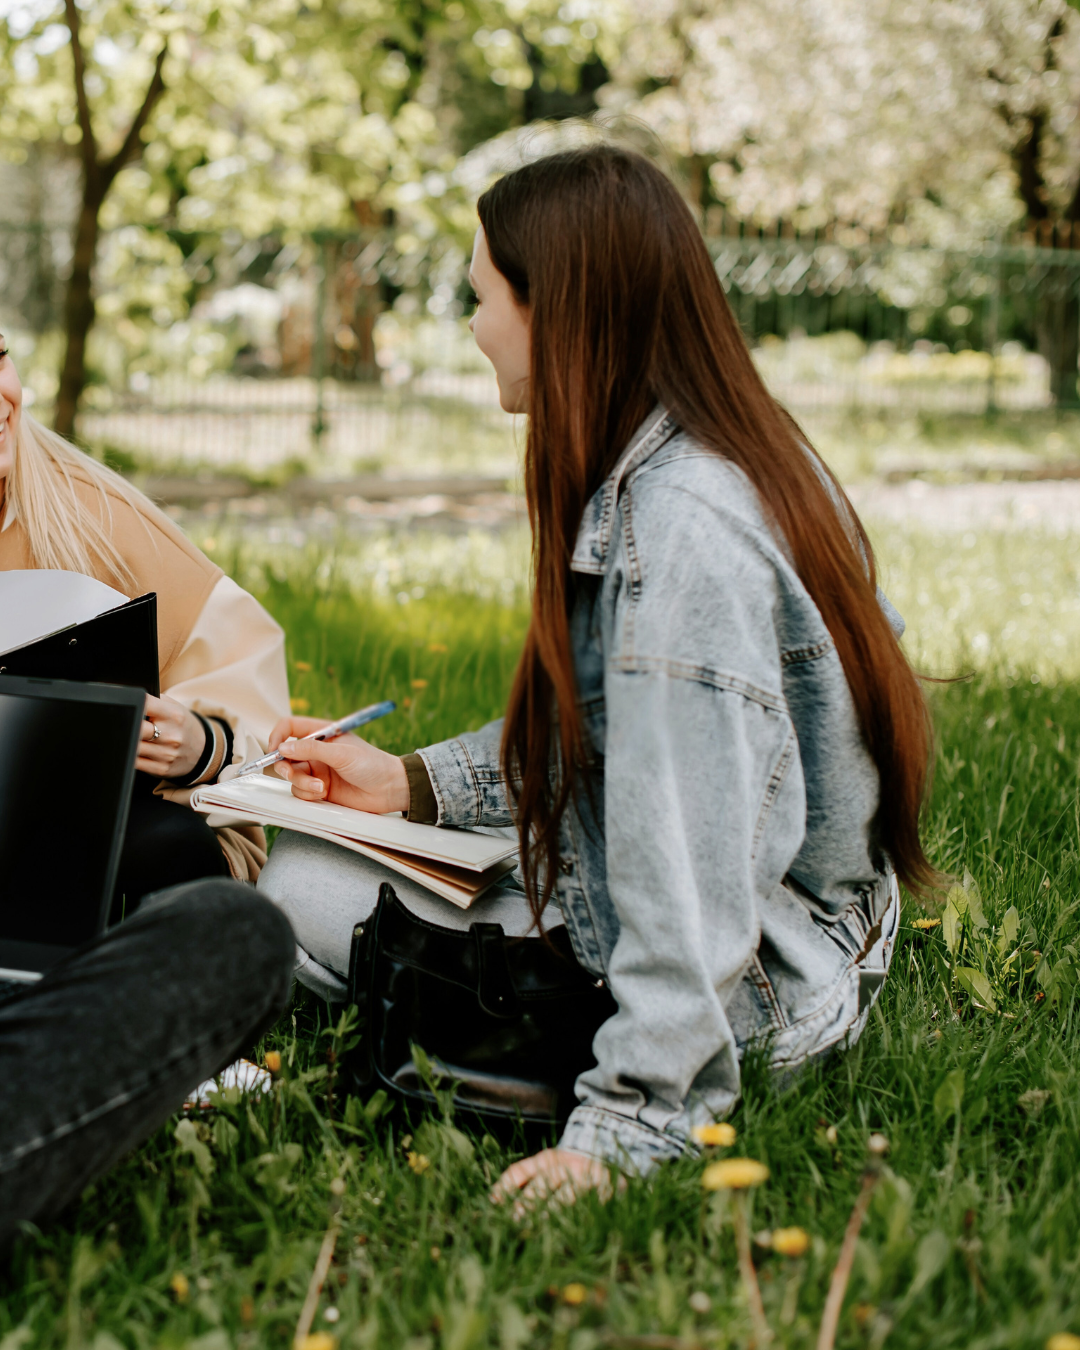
715	752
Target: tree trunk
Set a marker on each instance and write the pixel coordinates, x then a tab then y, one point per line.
79	311
1057	328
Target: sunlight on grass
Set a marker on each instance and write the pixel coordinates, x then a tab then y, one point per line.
992	600
1005	601
967	1063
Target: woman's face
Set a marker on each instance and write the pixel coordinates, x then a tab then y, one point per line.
501	328
10	405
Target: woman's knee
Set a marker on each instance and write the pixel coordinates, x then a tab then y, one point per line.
223	928
324	890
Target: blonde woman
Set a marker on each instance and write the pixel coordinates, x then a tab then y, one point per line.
222	657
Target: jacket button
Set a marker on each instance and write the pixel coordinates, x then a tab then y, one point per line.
566	866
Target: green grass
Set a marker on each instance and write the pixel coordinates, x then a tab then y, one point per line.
973	1238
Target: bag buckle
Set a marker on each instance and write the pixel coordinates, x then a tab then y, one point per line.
494	986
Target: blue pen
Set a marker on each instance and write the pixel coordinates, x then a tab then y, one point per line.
327	733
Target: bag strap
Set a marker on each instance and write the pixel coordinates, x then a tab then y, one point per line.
494	984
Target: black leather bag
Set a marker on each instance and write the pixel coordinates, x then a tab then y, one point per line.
508	1021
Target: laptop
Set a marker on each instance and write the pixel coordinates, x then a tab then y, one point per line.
66	775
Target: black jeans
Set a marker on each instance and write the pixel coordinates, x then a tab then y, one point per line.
164	844
106	1047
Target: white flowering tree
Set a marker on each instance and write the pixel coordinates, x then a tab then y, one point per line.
944	121
257	116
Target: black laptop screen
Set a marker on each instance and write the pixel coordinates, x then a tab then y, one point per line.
64	772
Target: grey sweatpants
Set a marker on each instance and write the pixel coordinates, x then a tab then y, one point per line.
326	890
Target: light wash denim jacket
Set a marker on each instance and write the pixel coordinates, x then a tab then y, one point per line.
728	889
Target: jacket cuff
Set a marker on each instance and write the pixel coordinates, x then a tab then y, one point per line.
453	782
422	804
610	1137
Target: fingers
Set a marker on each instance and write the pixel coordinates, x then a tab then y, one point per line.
516	1175
346	754
555	1175
294	726
310	782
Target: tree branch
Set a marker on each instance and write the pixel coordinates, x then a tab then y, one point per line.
131	148
89	145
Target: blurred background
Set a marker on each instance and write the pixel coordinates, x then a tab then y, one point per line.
234	237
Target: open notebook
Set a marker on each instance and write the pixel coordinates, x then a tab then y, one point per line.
459	865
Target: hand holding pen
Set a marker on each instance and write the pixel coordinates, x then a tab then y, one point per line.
325	731
347	771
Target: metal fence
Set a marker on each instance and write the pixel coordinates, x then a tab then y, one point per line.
331	350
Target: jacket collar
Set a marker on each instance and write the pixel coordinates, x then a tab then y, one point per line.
597	522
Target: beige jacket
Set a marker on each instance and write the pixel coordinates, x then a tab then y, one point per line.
220	653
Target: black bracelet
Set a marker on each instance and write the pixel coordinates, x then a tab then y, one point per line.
189	780
228	734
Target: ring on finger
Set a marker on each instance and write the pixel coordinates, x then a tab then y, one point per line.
157	732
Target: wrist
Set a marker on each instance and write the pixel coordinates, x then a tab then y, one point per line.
398	787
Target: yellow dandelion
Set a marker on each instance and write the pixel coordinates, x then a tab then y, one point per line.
299	705
720	1135
180	1286
303	666
1063	1340
419	1162
316	1340
438	648
575	1294
734	1174
419	684
790	1241
925	924
273	1061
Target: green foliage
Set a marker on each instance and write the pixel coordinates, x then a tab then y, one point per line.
207	1236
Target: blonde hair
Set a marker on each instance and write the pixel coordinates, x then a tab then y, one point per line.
64	534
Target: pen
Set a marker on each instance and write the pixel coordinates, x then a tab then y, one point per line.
327	733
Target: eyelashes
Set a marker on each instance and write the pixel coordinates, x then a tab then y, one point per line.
471	300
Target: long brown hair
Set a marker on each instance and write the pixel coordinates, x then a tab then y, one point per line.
626	311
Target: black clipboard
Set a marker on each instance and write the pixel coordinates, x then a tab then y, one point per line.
117	647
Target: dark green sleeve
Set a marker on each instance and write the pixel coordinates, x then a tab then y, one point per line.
422	804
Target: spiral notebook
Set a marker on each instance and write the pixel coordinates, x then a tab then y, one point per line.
459	865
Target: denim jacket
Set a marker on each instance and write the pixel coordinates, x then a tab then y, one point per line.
721	875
